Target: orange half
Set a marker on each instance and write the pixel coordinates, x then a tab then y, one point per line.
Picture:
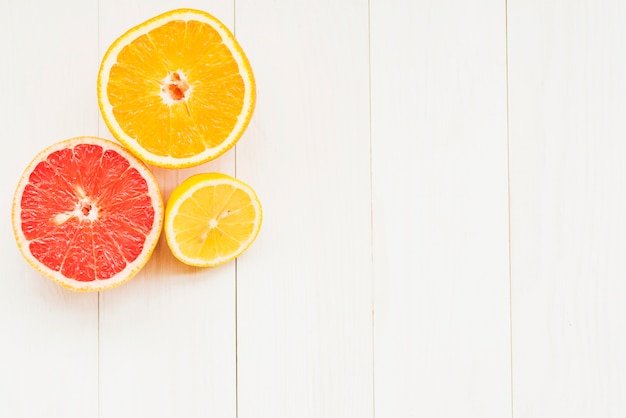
177	90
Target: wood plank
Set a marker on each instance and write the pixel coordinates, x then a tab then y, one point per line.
49	350
567	105
304	287
439	167
168	337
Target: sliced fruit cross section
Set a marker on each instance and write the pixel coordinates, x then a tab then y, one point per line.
87	214
211	218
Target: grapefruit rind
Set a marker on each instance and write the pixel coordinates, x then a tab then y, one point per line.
131	268
106	109
184	191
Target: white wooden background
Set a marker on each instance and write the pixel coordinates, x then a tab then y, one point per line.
444	192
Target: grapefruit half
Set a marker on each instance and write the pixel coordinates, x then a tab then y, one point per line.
87	214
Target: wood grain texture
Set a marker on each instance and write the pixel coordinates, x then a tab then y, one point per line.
567	104
304	287
49	335
167	338
439	170
379	284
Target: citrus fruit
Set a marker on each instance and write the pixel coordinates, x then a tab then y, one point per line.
211	218
177	90
87	213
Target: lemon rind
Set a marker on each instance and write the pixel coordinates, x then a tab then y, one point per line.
184	191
